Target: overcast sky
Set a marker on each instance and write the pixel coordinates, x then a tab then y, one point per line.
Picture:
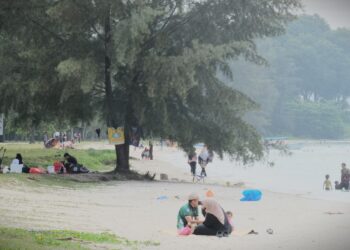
336	12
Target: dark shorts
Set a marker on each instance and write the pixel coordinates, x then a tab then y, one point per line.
193	167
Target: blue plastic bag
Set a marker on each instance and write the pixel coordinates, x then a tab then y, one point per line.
162	198
251	195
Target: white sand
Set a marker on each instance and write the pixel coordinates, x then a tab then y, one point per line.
131	209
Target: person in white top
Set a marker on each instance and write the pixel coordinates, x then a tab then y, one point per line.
203	160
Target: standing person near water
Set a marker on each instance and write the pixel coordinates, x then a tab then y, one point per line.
345	177
327	184
150	150
192	160
203	160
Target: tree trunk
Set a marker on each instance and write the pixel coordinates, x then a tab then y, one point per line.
32	136
122	151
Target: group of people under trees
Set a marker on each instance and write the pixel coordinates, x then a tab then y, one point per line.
68	165
204	157
344	180
216	221
61	140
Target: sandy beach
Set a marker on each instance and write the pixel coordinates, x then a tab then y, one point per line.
301	216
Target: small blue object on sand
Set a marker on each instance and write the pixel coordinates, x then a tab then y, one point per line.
251	195
163	197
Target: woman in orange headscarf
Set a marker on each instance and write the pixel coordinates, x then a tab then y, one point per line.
216	221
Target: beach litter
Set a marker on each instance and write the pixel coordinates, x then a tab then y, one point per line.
162	198
253	232
251	195
209	194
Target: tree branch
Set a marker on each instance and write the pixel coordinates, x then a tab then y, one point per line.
91	22
53	34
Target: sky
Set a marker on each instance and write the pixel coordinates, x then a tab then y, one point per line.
335	12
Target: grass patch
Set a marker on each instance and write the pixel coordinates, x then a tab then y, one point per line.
11	238
102	161
37	155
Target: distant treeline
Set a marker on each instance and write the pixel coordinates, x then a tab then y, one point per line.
304	88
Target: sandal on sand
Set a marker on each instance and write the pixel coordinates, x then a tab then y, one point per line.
225	234
219	234
253	232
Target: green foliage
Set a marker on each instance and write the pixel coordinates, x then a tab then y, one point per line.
317	120
11	238
151	64
310	63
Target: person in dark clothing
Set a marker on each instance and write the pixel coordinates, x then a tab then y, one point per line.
150	150
72	166
69	162
345	178
98	132
216	221
192	161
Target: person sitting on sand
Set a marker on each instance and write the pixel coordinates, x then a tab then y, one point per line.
188	214
327	184
216	221
229	215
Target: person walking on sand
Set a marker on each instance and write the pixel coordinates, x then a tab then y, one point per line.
327	184
192	161
203	160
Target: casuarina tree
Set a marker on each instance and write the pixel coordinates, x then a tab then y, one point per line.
153	65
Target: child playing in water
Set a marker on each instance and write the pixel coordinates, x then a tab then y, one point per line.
327	184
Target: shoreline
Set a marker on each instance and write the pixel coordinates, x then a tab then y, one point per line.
307	182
